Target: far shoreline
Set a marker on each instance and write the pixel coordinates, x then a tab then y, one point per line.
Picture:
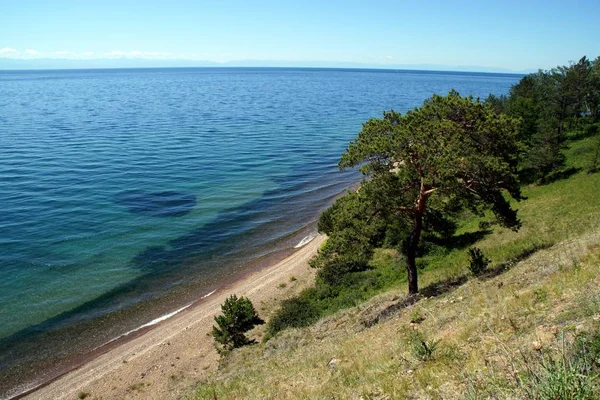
241	68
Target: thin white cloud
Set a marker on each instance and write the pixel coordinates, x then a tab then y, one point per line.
8	52
139	54
379	59
30	54
156	54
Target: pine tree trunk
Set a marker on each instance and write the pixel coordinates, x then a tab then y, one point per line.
411	255
413	242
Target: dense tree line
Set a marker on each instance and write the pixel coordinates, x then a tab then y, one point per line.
549	104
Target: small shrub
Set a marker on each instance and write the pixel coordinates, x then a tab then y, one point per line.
421	348
333	270
83	395
294	313
485	225
293	278
282	285
137	386
478	262
239	316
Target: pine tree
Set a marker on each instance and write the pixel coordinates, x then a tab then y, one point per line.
452	153
239	316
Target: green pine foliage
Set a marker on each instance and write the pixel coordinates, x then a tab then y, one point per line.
478	262
452	154
238	317
550	103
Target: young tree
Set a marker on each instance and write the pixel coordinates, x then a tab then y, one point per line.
450	154
576	88
239	316
593	97
524	102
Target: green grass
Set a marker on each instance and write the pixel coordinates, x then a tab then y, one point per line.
571	373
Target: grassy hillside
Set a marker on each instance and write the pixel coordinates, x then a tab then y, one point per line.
503	335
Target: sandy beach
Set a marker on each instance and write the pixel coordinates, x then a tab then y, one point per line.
165	361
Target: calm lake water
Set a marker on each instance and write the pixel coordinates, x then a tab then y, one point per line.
126	194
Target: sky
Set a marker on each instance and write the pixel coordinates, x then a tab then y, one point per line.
499	35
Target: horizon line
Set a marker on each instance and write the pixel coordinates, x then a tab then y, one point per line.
305	67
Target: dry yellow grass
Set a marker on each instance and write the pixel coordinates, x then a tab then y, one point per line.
484	328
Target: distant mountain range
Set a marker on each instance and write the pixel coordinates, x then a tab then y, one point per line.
126	62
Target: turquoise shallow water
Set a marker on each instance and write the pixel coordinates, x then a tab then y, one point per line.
127	193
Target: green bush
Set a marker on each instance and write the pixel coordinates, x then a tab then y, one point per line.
239	316
335	269
341	289
294	313
478	262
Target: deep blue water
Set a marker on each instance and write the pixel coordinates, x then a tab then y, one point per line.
121	189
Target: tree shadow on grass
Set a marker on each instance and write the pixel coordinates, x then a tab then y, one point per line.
460	241
450	284
589	131
531	176
432	290
560	175
505	266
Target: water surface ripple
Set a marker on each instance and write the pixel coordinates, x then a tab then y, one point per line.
125	194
